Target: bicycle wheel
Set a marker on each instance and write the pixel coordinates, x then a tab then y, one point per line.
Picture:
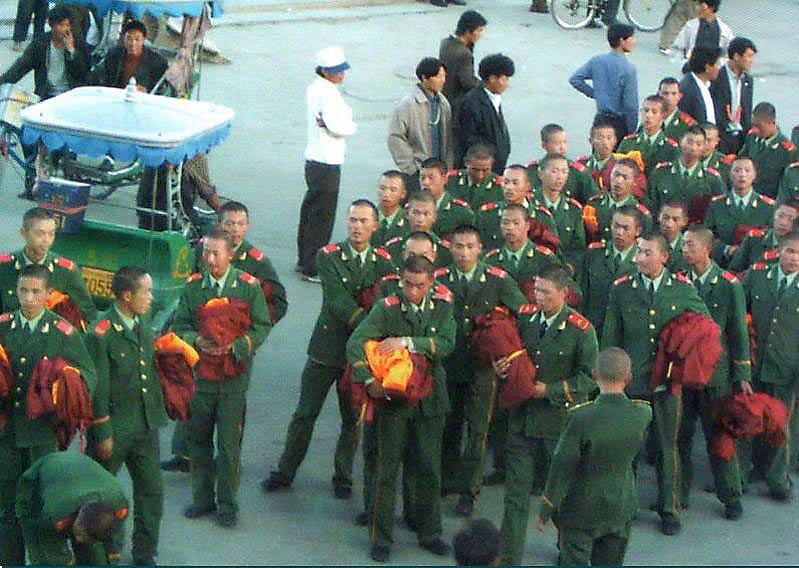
647	15
12	158
572	14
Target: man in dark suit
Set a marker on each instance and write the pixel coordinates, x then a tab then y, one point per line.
480	116
700	71
732	94
456	52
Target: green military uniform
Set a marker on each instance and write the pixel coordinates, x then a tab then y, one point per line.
523	265
599	170
441	246
393	226
568	215
677	123
722	163
472	390
775	315
489	216
220	404
564	352
771	156
605	208
789	185
676	262
50	493
343	277
64	277
130	409
452	213
400	427
580	184
654	149
633	322
23	441
760	245
724	297
724	214
601	265
591	493
486	190
671	180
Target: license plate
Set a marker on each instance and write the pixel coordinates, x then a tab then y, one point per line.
98	281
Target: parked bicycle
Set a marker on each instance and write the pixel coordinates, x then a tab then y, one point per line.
645	15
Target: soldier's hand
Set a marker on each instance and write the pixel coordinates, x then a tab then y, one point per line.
391	344
539	389
541	524
746	387
375	390
501	367
105	448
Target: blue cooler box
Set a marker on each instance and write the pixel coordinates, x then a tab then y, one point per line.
66	199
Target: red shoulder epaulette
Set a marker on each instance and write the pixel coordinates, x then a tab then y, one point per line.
760	266
442	293
729	277
791	165
643	209
596	245
62	524
621	280
789	147
383	253
441	272
718	197
672	142
543	209
64	327
460	202
531	163
392	241
6	258
498	272
576	203
661	165
596	197
752	131
121	513
713	171
5	317
543	250
490	206
452	173
630	137
391	301
756	233
331	248
445	243
578	166
194	277
687	118
390	277
256	254
767	200
65	263
492	252
499	180
102	328
527	309
583	159
728	159
771	255
683	278
248	278
578	321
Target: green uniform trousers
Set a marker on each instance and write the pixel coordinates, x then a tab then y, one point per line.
699	404
472	404
223	412
523	457
580	546
420	437
498	436
140	454
12	547
316	382
180	443
667	412
409	477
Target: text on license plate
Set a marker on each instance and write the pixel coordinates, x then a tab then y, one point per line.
98	281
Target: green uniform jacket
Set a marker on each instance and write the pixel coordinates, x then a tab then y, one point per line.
398	227
667	182
634	321
396	245
432	335
580	184
759	246
723	216
568	215
54	487
771	156
452	213
776	321
606	207
489	215
789	186
242	286
52	338
676	262
64	277
724	297
591	483
534	258
128	388
564	357
489	288
596	274
252	261
677	123
486	190
664	149
721	163
342	282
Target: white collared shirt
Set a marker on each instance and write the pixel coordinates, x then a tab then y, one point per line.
707	98
495	99
745	200
219	282
656	281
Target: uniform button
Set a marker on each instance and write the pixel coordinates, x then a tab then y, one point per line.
651	312
651	339
141	349
144	391
143	377
651	326
19	389
774	320
19	375
22	360
142	363
16	404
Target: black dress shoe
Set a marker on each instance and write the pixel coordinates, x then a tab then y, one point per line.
177	463
274	482
465	506
195	511
437	547
362	519
342	491
781	495
440	4
380	553
496	477
670	525
734	510
226	520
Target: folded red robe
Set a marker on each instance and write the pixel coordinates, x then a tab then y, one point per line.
748	416
63	305
222	320
174	359
542	235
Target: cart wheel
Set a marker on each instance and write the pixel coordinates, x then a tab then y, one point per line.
647	15
12	157
572	14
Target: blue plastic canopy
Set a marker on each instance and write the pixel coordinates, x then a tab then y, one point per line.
173	8
126	124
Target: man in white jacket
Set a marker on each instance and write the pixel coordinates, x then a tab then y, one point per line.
330	122
706	30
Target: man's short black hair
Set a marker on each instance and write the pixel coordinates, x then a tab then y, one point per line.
58	13
420	236
669	81
556	274
469	21
38	271
632	212
422	197
428	67
511	207
765	110
655	236
234	207
127	279
496	64
602	121
35	214
657	99
477	544
134	25
702	57
549	158
98	519
362	202
520	168
677	203
465	230
708	126
434	163
792	235
629	163
418	264
739	45
548	130
479	151
712	4
694	130
396	174
618	32
219	234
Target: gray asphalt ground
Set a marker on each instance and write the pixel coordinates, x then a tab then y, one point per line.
261	165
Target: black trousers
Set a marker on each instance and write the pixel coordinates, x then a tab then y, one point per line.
318	212
26	9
